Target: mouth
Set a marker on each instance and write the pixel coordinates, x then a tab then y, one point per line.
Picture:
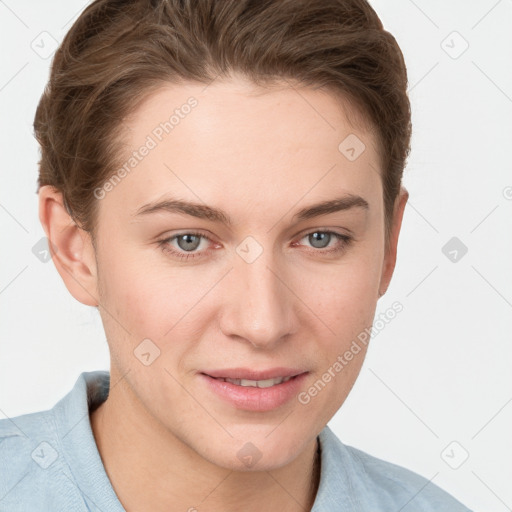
266	383
257	391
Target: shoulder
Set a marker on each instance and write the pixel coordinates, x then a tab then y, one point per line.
381	484
409	489
32	470
18	436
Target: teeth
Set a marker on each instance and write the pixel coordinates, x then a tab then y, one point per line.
258	383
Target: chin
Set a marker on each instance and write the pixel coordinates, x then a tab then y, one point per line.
255	452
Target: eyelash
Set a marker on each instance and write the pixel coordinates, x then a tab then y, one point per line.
345	241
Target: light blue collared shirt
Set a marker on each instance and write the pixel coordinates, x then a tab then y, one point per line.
49	462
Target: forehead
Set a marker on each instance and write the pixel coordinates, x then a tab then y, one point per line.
232	143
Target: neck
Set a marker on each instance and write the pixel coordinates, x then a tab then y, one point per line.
150	469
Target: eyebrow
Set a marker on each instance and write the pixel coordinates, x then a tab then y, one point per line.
201	211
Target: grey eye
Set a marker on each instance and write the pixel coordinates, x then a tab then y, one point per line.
188	242
319	239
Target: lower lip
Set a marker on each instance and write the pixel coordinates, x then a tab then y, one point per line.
252	398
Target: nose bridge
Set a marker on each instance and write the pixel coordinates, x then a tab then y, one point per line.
259	306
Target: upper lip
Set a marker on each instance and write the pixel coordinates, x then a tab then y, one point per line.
250	374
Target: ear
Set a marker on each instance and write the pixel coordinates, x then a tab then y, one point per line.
70	247
390	254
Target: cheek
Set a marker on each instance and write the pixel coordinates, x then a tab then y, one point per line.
169	306
343	294
138	288
345	301
151	306
131	299
342	297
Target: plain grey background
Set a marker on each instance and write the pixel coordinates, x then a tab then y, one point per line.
435	393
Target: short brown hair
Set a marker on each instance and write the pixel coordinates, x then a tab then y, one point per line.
118	52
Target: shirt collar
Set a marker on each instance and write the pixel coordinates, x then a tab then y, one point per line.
77	440
336	475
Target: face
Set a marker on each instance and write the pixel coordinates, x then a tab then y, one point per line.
262	286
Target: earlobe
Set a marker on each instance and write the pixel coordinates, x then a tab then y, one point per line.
390	256
71	247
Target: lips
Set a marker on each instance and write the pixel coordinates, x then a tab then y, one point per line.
256	394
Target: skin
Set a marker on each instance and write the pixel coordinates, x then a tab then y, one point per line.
166	441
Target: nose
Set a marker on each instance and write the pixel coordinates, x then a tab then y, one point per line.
258	305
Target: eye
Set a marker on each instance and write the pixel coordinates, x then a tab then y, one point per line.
186	243
321	239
